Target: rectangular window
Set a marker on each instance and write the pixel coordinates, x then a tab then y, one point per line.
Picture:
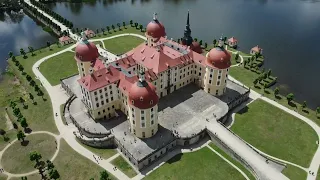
102	103
100	91
107	100
105	89
151	109
142	118
110	92
143	125
106	94
219	77
112	106
98	112
133	122
152	122
104	111
142	112
143	134
101	96
218	83
111	98
96	99
199	74
209	81
97	104
217	91
95	93
133	115
151	115
110	87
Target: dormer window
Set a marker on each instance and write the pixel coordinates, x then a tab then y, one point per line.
141	98
151	102
132	102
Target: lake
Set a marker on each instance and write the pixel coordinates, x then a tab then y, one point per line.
287	30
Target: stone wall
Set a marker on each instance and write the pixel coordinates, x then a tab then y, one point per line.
106	142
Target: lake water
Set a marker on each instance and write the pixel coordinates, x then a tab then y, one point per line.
287	30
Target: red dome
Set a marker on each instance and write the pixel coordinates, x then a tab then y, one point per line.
156	29
143	95
219	58
86	51
196	47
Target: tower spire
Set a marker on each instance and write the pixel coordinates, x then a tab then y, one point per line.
187	39
155	16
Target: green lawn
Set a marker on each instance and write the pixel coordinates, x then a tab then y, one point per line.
294	173
59	67
35	176
39	116
276	132
3	177
233	161
247	77
104	153
203	164
16	158
122	44
73	166
128	29
11	135
121	164
318	174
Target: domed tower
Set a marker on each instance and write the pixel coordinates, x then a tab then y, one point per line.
218	61
143	108
86	55
154	31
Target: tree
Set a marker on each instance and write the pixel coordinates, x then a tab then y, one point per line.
224	39
108	28
102	30
13	104
31	50
112	26
24	123
97	31
195	39
32	83
10	54
104	175
255	82
304	104
318	110
118	24
141	27
48	45
290	97
35	156
21	136
28	77
124	24
31	97
22	52
21	100
276	91
237	56
131	22
50	165
16	112
20	67
214	42
269	72
3	133
136	25
24	178
53	174
36	88
14	59
205	45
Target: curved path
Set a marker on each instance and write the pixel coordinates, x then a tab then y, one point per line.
315	163
57	137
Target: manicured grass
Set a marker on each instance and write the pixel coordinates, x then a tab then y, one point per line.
294	173
73	166
202	164
16	158
3	177
121	164
11	135
59	67
39	116
128	29
233	161
122	44
104	153
318	174
35	176
276	132
247	77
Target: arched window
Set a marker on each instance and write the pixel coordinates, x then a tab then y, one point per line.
141	98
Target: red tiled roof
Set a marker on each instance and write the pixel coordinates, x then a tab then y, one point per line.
86	51
98	65
100	78
126	62
232	39
155	29
256	49
159	60
64	38
219	58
